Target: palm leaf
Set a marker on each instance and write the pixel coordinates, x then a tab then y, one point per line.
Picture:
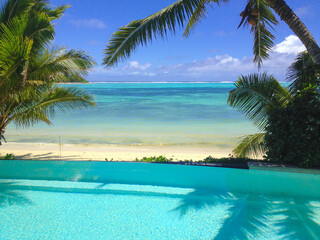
43	7
255	95
199	13
58	64
262	21
303	72
14	52
250	146
13	8
263	38
127	38
29	67
42	104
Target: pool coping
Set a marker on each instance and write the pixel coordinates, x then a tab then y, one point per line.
204	164
245	166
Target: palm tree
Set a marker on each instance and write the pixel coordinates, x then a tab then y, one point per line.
257	95
257	13
303	72
298	27
29	66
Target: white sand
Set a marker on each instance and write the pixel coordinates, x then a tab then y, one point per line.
44	151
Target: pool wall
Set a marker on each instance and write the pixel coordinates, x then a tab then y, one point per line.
198	177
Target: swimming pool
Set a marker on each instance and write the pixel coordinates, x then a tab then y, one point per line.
113	200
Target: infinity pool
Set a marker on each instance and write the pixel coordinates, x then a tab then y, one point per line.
103	200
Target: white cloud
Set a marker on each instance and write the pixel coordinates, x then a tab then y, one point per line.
89	23
135	65
228	68
291	45
132	68
217	68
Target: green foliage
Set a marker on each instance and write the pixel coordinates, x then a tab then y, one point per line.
251	145
8	156
259	15
154	159
293	132
211	159
189	12
256	94
74	79
288	118
303	72
29	66
230	159
41	105
199	13
127	38
263	38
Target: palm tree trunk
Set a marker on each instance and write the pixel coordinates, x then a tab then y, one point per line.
297	26
2	131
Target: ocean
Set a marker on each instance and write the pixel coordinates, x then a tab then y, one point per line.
151	114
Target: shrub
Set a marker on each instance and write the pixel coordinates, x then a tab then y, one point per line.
293	132
8	156
229	159
154	159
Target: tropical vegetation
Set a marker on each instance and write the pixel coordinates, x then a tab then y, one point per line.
260	96
293	133
155	159
8	156
259	14
30	66
289	117
255	95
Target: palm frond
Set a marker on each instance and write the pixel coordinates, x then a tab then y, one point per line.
259	15
13	8
256	94
250	146
199	13
14	52
127	38
39	15
43	7
29	67
303	72
40	29
42	104
58	64
263	38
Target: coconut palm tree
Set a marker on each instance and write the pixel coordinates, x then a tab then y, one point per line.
30	66
257	95
257	13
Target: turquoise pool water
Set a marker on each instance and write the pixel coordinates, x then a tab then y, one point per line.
98	200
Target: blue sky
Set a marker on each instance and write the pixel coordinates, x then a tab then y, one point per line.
215	51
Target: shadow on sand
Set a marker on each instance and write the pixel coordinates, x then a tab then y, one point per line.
47	156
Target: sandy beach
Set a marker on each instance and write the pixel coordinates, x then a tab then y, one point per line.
95	152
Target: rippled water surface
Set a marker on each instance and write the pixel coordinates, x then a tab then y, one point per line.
147	114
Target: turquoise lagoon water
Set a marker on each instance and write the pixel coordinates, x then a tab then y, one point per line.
99	200
147	114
